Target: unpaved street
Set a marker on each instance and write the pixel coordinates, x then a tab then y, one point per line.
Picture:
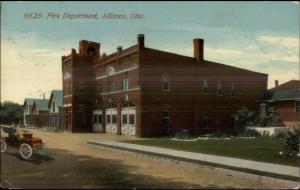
71	163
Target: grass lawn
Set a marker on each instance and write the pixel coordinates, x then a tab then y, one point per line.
259	149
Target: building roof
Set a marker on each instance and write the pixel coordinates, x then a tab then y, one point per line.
58	98
292	84
41	104
290	94
287	91
29	101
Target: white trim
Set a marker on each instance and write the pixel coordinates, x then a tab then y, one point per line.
117	72
66	96
119	91
67	105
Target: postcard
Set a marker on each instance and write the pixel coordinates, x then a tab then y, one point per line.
138	95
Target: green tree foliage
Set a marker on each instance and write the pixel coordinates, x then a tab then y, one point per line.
10	112
243	117
291	142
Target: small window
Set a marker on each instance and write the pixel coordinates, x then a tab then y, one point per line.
232	90
219	90
95	119
91	51
131	119
99	119
114	119
110	86
204	87
165	82
124	119
205	119
125	84
297	105
108	119
165	118
53	106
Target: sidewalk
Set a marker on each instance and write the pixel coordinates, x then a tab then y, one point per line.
228	161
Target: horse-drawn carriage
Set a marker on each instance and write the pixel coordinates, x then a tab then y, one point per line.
26	144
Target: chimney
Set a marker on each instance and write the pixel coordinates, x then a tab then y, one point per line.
276	83
141	41
119	50
198	49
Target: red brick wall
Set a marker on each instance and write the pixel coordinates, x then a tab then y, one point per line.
185	100
287	111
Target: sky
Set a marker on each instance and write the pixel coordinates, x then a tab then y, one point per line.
259	36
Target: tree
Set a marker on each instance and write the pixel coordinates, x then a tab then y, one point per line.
243	117
10	112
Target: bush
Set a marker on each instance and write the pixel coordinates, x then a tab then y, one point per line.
251	133
281	135
184	134
291	143
242	118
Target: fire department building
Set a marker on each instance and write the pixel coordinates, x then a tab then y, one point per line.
148	92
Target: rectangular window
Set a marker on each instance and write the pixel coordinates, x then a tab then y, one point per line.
297	105
108	119
114	119
53	106
95	119
166	118
219	90
131	119
232	90
204	87
166	82
205	119
110	86
125	84
99	119
124	119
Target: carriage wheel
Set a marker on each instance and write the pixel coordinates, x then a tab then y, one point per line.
25	151
3	145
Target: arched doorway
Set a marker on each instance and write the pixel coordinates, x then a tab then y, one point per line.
128	118
111	119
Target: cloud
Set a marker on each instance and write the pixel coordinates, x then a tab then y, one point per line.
29	63
287	42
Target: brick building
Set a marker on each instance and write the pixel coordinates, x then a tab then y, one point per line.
148	92
284	101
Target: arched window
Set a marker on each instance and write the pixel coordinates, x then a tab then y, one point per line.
110	71
166	82
91	51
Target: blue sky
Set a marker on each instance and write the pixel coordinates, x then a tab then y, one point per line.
260	36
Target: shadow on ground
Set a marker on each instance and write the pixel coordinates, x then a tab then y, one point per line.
62	169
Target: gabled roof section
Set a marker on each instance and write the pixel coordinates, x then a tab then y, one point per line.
58	98
281	95
206	63
291	94
41	104
29	101
292	84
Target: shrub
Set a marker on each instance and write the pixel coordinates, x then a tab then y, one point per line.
251	133
242	118
281	135
184	134
291	143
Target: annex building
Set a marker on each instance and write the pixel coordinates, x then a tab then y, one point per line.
148	92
